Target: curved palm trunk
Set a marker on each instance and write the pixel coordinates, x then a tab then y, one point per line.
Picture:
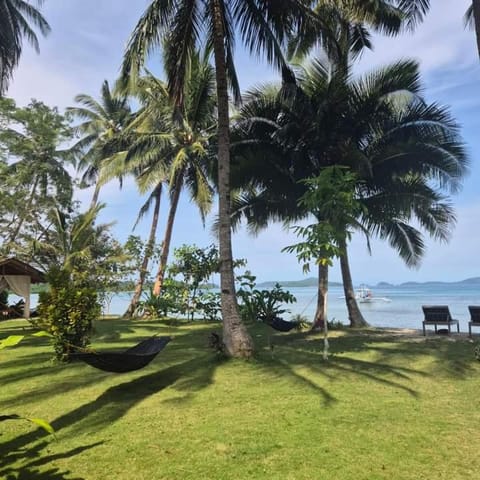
157	286
236	339
146	259
354	314
476	17
96	193
321	314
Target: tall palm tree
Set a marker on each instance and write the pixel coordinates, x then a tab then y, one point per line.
171	144
404	151
18	21
103	121
183	24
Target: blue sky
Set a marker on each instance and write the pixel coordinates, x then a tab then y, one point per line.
86	45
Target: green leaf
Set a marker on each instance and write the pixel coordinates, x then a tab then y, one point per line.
42	333
11	341
37	421
42	424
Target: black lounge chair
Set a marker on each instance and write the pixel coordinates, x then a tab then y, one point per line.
474	319
129	360
282	325
438	315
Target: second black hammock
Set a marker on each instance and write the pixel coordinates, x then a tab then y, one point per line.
129	360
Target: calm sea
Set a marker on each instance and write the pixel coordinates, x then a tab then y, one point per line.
404	310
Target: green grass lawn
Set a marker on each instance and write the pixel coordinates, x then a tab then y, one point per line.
381	408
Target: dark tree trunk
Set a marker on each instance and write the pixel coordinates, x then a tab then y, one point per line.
16	230
236	339
146	259
354	314
321	313
157	286
476	17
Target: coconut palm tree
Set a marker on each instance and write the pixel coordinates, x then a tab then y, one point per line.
182	25
169	144
472	20
102	122
404	152
18	21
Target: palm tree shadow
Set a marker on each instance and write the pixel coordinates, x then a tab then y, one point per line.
116	401
32	458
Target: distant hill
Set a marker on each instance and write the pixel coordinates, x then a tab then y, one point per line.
313	282
467	281
308	282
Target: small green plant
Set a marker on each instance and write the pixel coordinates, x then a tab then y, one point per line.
208	305
301	321
173	299
476	352
67	312
262	305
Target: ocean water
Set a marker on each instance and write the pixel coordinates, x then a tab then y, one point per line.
404	310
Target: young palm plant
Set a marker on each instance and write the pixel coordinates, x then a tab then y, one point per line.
18	21
404	152
184	24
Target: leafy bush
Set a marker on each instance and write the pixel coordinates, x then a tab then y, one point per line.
208	304
67	312
173	299
262	305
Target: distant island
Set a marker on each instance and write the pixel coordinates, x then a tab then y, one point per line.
313	282
308	282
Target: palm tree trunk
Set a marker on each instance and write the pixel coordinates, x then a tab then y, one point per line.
236	339
96	193
476	17
321	313
354	314
16	231
157	286
148	253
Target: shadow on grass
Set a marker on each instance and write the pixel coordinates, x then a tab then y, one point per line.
30	460
116	401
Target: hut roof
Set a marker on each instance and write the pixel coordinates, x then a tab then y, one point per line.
13	266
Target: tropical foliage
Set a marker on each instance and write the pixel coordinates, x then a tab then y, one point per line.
18	21
407	154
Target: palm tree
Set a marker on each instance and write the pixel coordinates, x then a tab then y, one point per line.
404	152
472	20
172	144
103	121
183	24
18	21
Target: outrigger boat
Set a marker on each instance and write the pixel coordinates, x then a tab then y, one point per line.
365	295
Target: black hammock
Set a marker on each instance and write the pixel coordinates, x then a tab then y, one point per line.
282	325
129	360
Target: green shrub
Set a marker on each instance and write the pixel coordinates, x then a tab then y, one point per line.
262	305
67	312
3	299
208	305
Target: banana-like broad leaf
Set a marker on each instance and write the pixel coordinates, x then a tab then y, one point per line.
37	421
11	341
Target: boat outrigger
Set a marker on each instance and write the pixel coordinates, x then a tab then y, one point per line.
365	295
